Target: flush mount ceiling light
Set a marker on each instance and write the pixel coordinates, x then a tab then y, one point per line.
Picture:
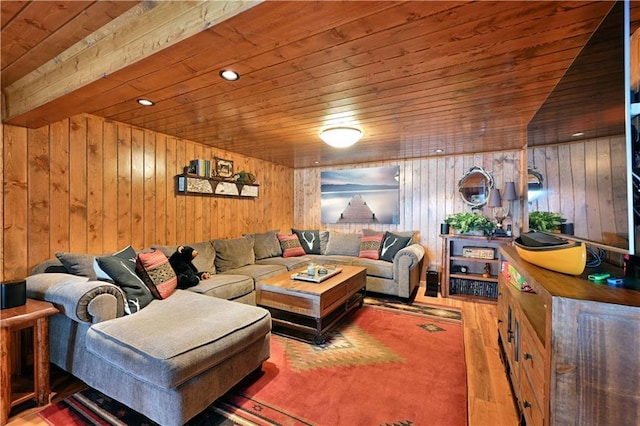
145	102
341	137
229	75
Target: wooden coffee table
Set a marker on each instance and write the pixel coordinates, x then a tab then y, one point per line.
308	310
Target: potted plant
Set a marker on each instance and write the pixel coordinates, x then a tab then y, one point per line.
545	221
467	223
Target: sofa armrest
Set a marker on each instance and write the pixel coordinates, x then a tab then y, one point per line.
405	263
78	298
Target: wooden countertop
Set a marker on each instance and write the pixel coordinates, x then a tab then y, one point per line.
573	287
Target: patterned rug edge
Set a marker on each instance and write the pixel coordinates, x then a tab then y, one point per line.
227	410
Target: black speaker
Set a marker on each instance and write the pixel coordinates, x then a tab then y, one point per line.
13	293
432	284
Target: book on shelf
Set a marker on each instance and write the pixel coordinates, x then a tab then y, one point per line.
200	167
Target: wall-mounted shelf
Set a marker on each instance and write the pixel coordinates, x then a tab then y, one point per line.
193	184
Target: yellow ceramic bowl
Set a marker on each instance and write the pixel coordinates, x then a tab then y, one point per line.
569	258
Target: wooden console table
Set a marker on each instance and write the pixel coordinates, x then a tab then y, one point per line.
35	314
570	346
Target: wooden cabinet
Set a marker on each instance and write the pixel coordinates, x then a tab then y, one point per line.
192	184
571	348
464	263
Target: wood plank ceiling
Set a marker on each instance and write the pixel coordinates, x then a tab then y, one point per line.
414	76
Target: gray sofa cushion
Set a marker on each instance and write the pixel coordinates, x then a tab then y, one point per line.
204	261
204	332
266	244
225	286
258	272
233	253
290	263
343	244
375	268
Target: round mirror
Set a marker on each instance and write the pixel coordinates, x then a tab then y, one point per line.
475	187
534	184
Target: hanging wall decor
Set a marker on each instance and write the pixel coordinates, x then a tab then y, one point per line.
368	195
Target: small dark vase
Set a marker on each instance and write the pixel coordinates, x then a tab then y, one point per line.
444	228
566	228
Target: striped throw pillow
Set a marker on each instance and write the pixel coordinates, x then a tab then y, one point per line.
156	272
370	246
290	244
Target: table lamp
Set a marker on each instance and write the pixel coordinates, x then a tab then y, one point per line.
495	202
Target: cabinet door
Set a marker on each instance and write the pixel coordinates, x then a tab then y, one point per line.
595	379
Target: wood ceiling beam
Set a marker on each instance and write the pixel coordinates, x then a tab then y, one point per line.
142	31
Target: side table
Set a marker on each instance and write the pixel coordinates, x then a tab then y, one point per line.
35	314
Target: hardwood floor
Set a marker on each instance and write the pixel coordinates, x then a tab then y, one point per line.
490	400
489	396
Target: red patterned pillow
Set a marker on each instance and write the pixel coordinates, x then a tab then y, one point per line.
290	244
156	272
370	246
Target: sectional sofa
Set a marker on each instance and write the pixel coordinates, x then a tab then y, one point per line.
175	356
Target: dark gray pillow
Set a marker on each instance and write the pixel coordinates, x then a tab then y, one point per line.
266	244
123	273
309	240
411	234
233	253
392	244
78	263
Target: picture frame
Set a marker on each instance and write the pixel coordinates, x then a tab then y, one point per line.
224	168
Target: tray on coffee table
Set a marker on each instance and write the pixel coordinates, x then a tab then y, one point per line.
317	278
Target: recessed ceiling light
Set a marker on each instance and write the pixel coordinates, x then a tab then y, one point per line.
229	75
438	150
577	134
145	102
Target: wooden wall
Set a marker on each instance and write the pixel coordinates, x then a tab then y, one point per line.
93	186
586	182
428	194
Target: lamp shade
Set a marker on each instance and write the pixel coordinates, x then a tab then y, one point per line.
494	198
510	191
341	137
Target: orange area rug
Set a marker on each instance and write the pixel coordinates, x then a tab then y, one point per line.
381	366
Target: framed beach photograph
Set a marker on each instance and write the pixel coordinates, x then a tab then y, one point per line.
368	195
224	168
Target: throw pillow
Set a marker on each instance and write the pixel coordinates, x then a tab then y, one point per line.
123	273
127	253
344	244
78	263
156	272
233	253
324	240
411	234
290	245
266	244
392	244
309	239
370	246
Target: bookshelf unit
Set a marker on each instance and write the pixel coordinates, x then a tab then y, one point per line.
471	284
